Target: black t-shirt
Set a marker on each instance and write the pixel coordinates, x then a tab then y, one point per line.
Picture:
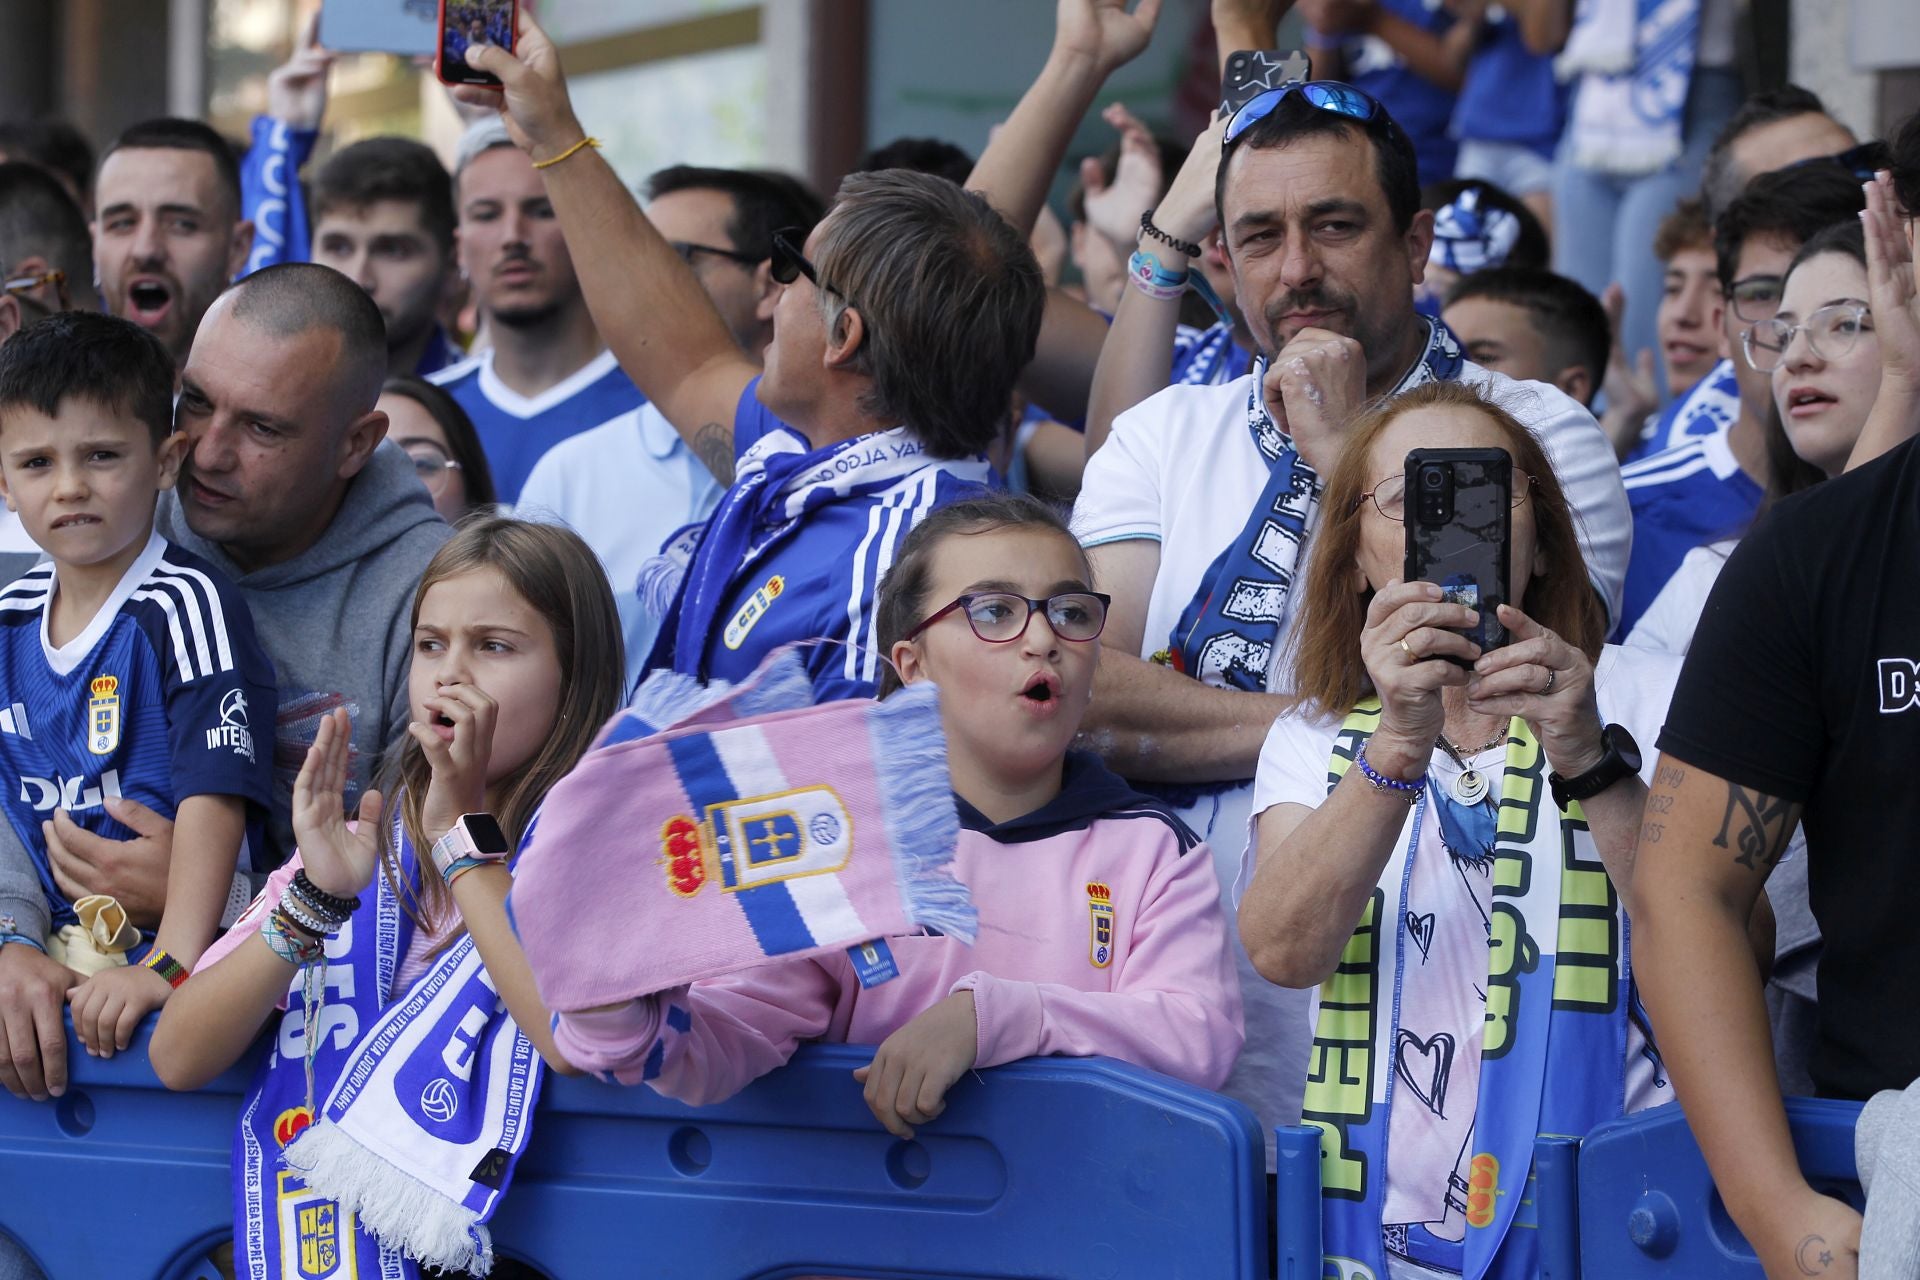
1803	682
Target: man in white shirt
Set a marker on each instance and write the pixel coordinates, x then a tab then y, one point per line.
627	486
1321	224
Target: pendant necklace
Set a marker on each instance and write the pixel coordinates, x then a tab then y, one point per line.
1472	785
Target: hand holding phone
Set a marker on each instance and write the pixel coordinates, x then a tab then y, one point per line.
1459	518
467	24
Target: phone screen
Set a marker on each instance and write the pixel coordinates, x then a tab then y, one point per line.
467	24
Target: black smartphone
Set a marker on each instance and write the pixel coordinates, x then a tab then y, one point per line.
1459	517
466	23
1251	72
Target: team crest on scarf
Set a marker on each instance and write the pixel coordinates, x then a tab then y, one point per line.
1100	910
758	840
103	716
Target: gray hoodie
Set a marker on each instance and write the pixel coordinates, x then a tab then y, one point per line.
335	621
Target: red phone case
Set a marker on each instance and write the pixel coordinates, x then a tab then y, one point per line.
467	22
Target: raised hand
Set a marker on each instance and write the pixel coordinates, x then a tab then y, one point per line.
1631	389
1186	210
1114	208
339	859
458	752
1102	31
1892	291
907	1081
533	99
297	88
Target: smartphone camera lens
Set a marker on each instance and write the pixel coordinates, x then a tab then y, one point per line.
1433	479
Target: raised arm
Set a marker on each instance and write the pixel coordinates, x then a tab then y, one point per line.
1705	850
1245	24
647	303
1439	59
1896	320
1091	39
1137	357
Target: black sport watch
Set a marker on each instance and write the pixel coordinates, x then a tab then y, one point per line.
1621	760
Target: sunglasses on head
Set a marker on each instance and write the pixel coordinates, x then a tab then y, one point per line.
1323	95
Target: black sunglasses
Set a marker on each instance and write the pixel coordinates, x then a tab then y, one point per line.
789	263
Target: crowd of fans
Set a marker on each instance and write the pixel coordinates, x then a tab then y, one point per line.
373	495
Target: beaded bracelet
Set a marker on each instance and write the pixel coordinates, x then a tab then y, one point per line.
1187	247
1149	277
304	917
166	966
1408	791
289	943
324	903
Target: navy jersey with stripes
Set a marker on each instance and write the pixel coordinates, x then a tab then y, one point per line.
156	700
820	583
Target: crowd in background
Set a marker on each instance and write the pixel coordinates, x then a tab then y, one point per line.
371	495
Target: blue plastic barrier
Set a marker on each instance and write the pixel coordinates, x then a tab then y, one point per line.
1634	1199
1055	1167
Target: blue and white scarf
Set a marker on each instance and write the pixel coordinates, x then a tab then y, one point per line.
1207	357
1227	633
283	1228
1554	1049
779	483
1635	63
428	1112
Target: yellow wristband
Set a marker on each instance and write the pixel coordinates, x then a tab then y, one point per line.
583	143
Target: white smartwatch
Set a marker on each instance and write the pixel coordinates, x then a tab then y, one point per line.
472	841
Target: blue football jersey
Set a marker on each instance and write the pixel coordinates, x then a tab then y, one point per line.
515	430
156	700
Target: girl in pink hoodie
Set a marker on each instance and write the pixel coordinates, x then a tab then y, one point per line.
1100	922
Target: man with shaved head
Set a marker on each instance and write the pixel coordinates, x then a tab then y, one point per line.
291	489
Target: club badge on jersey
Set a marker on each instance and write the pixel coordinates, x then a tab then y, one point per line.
103	716
1100	912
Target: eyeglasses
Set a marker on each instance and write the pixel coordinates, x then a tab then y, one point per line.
1756	298
430	463
22	287
1000	616
688	250
1390	495
1326	95
1831	333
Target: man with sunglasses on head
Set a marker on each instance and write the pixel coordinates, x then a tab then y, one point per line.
1198	508
907	314
1708	488
545	373
626	486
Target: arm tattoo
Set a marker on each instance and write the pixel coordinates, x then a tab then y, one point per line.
713	445
1756	826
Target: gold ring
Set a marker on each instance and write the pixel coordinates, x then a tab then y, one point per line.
1409	648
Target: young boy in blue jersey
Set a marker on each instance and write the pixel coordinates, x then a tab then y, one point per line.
129	667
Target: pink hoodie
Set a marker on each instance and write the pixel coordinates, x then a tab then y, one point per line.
1052	972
